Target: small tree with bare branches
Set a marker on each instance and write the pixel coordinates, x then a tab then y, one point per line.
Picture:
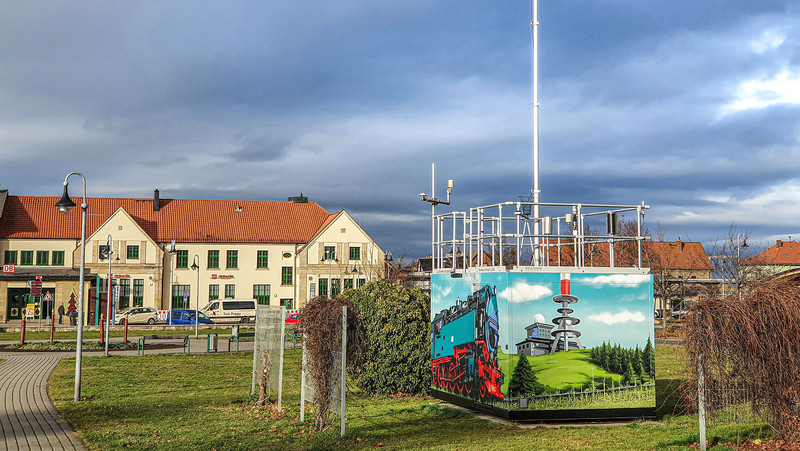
752	347
321	326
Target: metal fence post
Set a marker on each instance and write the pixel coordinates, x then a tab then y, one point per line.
701	401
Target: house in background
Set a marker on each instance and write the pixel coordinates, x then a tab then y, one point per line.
238	249
781	260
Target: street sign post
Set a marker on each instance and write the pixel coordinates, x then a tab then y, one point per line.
36	288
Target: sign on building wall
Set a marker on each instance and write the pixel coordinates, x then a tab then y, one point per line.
586	337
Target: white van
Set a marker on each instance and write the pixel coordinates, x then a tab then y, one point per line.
231	310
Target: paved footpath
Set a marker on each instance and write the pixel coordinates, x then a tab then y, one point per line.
28	420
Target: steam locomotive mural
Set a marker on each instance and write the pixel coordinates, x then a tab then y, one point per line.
464	342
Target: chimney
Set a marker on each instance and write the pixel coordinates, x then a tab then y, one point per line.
156	201
299	199
680	245
779	243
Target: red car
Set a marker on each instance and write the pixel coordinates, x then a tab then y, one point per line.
292	319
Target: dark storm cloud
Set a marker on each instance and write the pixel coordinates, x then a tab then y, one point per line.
350	102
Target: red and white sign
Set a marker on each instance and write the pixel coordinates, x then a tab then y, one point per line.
36	288
222	276
9	269
48	296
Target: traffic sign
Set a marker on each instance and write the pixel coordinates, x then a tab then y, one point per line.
9	269
48	296
36	288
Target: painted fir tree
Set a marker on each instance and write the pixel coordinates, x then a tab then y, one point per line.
629	378
523	380
638	364
648	359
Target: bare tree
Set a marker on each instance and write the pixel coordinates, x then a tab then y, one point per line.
735	261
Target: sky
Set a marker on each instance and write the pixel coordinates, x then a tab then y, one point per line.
689	106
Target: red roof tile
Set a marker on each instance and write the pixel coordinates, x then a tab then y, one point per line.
656	255
782	253
182	220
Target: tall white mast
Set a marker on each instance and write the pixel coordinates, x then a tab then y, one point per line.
535	191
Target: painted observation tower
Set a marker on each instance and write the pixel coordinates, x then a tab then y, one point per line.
565	323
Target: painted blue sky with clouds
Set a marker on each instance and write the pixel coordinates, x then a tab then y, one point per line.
614	308
691	106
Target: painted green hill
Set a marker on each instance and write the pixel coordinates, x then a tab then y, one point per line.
559	371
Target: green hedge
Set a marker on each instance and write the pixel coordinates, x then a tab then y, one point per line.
397	325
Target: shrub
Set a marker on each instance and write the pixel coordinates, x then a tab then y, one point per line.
397	348
321	325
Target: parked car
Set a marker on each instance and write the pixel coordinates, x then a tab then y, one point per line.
294	318
231	310
179	317
137	315
679	314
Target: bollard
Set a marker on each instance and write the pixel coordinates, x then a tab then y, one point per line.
22	333
102	334
126	329
52	326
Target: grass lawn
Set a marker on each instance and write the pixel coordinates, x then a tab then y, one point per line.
202	402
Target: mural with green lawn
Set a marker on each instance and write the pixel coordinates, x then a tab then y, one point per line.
545	340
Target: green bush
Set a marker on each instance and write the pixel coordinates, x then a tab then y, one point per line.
397	352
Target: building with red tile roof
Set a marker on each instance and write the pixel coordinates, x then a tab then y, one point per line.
783	256
242	249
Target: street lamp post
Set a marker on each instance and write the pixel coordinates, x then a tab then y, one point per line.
109	253
355	276
741	242
65	205
196	267
172	253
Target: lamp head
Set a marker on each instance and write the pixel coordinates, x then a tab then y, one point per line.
194	266
422	196
65	205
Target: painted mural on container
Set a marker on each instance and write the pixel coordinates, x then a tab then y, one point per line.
545	340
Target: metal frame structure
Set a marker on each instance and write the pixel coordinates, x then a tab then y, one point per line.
479	238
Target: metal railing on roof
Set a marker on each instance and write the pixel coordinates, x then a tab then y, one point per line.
505	234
